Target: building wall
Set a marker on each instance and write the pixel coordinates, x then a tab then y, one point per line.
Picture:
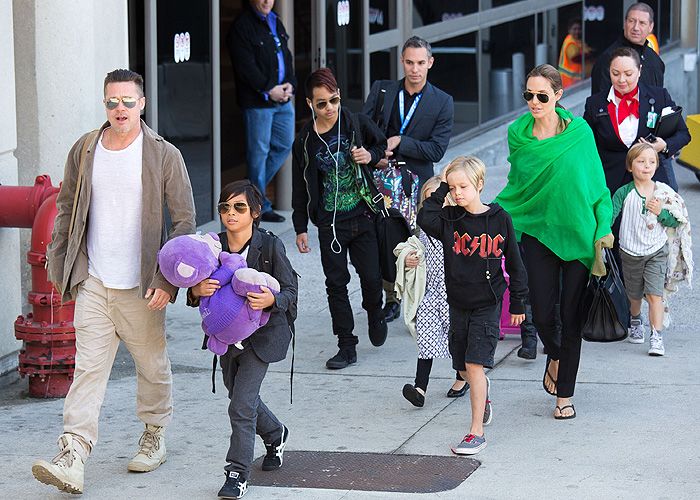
9	237
53	59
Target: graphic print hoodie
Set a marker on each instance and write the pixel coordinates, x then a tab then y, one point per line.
474	245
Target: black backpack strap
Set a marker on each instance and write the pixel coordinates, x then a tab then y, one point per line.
378	114
377	197
213	374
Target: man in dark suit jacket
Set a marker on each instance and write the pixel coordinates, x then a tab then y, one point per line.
639	23
417	118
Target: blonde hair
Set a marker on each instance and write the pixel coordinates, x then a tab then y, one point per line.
472	166
636	150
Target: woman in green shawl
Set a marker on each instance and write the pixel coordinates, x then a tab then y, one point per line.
561	208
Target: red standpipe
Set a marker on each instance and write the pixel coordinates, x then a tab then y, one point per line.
48	353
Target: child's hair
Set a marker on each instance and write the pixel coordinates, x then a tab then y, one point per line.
470	165
636	150
252	195
431	185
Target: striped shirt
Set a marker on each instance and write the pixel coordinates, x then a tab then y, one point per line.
641	231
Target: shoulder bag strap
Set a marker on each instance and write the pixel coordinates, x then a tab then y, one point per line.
79	182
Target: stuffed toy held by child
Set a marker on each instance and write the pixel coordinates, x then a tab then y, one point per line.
227	317
186	260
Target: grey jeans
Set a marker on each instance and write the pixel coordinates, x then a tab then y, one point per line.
243	374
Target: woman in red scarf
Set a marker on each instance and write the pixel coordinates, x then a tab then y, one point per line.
626	114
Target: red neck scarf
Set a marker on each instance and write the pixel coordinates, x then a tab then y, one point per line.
629	105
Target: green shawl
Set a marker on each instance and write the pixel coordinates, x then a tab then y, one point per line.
556	189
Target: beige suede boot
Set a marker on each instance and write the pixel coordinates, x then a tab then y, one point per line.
151	450
66	471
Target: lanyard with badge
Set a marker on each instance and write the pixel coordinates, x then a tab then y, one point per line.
405	120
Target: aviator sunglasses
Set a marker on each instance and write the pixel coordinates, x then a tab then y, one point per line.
113	102
333	100
239	206
543	98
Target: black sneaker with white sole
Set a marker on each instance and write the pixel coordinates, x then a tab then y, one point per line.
275	452
234	487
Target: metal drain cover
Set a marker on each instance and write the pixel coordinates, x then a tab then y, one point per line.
366	472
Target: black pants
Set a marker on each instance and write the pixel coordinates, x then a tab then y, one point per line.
358	237
423	368
551	280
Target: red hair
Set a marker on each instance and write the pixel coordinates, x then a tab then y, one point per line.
322	77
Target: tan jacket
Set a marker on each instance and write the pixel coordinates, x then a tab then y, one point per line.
165	182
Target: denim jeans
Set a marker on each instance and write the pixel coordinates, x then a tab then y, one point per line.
269	139
358	237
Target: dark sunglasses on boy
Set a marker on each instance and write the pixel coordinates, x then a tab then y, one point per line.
113	102
239	207
543	98
333	100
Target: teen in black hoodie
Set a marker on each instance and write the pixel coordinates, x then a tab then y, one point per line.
329	187
475	237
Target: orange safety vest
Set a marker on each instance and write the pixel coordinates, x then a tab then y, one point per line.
571	72
653	42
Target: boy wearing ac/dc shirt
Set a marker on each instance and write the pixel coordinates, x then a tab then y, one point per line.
475	237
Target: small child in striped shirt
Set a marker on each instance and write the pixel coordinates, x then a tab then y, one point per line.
643	243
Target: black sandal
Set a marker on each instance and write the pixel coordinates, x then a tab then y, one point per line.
561	415
544	379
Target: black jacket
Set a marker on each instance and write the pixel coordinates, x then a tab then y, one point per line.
270	342
305	186
613	151
254	56
473	246
653	67
428	133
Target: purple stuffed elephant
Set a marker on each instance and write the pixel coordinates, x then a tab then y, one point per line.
227	317
186	260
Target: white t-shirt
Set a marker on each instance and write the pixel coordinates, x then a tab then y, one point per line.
114	220
641	233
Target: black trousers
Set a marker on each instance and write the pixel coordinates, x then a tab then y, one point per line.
358	237
423	368
552	280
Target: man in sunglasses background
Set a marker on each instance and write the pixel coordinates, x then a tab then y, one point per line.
103	255
416	118
265	82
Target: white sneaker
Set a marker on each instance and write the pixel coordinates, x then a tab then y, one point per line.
66	471
656	344
636	331
151	452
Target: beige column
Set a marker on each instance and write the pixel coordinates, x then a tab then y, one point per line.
283	179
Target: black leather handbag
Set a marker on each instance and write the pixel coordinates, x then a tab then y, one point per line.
605	307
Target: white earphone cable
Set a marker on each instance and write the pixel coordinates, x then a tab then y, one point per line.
336	247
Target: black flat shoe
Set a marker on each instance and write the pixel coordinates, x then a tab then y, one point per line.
458	394
413	396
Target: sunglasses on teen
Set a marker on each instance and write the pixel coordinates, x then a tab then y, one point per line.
113	102
333	101
543	98
239	207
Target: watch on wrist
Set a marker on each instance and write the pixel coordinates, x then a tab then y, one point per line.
665	150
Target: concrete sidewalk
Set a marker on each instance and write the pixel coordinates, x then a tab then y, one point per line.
636	434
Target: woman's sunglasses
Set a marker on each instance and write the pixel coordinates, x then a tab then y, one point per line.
333	100
543	98
239	206
113	102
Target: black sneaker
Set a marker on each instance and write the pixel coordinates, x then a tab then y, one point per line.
341	360
275	451
391	311
271	217
234	487
377	332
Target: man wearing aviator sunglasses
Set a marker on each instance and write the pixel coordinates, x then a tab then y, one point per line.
103	255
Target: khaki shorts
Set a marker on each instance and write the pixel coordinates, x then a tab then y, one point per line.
644	275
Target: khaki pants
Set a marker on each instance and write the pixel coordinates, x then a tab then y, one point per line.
103	317
389	293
